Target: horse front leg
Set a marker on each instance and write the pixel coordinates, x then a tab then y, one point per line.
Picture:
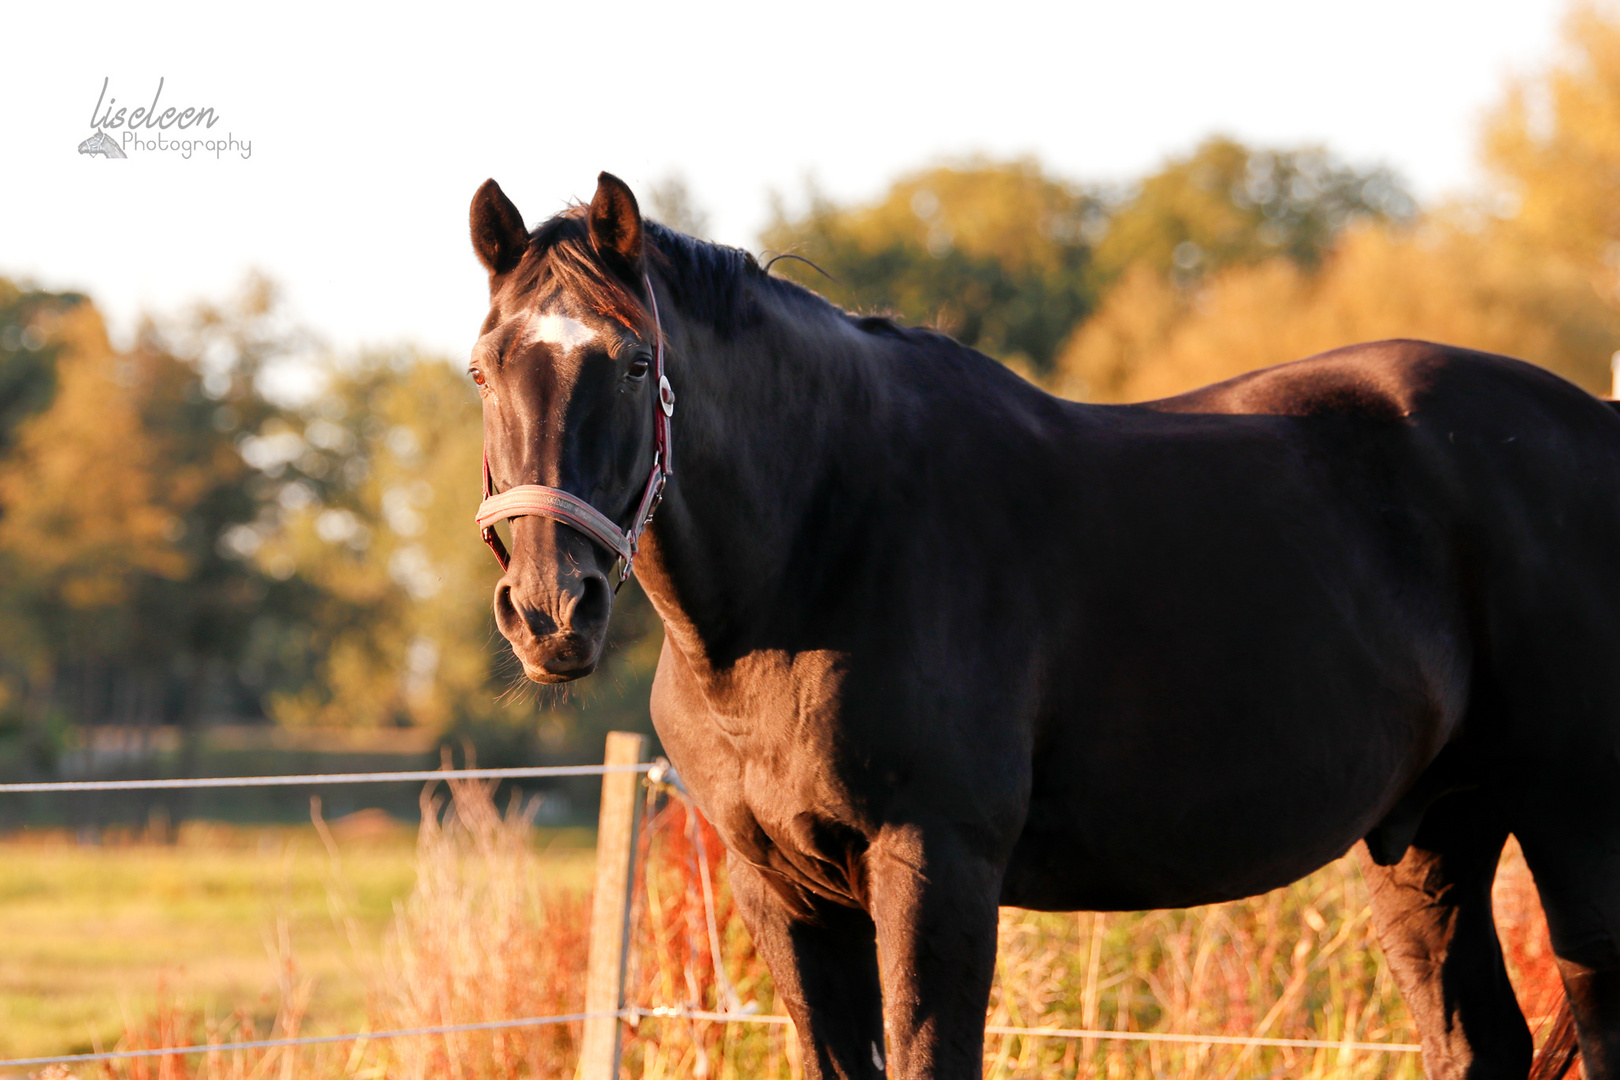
824	962
935	904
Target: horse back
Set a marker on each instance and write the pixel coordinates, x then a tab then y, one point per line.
1299	597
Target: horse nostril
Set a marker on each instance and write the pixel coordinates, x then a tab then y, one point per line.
509	617
594	605
505	611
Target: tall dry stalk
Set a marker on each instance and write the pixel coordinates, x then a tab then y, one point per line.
481	938
692	952
173	1024
1296	963
1522	926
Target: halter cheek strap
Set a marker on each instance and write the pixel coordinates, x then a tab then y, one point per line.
538	500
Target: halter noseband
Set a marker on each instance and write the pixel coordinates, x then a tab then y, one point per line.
536	499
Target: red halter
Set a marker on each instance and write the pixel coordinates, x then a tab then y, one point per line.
535	499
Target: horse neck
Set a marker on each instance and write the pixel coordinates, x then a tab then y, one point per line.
763	420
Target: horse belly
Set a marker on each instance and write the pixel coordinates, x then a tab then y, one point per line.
1051	871
1189	765
1136	811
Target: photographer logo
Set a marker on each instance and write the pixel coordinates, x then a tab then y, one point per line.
120	132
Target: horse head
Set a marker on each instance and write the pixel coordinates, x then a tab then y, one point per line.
569	367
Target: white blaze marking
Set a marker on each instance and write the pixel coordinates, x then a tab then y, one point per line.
561	331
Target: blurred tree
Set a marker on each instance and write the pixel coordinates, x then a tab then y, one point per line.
670	202
995	253
1554	148
83	512
1446	283
28	321
373	485
117	605
77	519
1228	204
1535	274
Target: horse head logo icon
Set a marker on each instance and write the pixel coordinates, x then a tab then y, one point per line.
103	144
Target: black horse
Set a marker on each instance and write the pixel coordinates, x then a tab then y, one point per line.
936	641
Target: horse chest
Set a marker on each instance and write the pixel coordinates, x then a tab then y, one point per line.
769	765
802	825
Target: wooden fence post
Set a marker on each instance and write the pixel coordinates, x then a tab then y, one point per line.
610	908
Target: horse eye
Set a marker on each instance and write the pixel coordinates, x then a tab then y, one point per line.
478	377
638	368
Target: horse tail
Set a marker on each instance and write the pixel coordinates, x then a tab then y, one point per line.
1559	1053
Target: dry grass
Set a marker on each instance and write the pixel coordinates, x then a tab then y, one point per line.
484	936
1297	963
687	930
89	933
481	938
1522	926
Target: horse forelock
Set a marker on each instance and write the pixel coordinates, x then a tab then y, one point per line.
560	260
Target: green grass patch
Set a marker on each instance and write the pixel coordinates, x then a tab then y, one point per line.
91	936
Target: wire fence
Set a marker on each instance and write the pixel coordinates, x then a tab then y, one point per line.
307	1040
423	775
666	1012
662	777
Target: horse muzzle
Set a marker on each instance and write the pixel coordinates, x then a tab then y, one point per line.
556	621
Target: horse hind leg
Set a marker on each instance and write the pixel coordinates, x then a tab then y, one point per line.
1571	849
1432	913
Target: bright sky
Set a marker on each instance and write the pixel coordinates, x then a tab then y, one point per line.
370	132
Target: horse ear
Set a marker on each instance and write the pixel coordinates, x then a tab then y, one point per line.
498	235
615	222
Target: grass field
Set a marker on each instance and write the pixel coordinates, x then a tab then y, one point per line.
91	936
246	932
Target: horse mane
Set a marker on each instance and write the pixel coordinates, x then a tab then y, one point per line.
719	285
723	286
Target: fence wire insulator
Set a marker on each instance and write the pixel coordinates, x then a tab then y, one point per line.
661	776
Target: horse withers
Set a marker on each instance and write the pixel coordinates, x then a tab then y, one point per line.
936	641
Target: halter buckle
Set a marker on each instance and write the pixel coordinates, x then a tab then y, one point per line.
653	500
